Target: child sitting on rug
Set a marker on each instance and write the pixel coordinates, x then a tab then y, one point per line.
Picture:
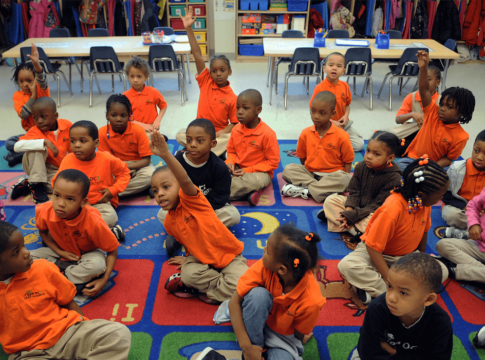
127	141
325	153
399	227
253	153
214	262
40	319
108	175
208	172
406	322
278	300
75	232
370	186
45	145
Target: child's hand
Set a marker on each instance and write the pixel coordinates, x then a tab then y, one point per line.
219	133
419	118
343	121
239	172
307	338
48	144
69	256
388	348
423	59
189	18
253	352
475	232
158	145
231	168
177	260
155	125
34	56
336	123
33	89
94	287
107	196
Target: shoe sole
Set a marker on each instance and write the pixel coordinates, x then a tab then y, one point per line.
204	353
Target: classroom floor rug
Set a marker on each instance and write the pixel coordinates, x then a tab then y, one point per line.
169	328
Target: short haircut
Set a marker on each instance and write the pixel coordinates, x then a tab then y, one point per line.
22	66
388	138
463	99
6	231
75	176
160	169
88	125
45	102
480	136
137	63
421	267
119	99
221	57
326	97
205	124
254	96
334	54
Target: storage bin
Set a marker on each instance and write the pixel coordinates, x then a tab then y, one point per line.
176	10
244	5
200	36
176	1
177	24
263	5
199	24
253	4
297	5
203	49
196	1
251	50
199	10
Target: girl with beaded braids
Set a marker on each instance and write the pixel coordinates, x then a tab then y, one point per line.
399	227
441	135
278	300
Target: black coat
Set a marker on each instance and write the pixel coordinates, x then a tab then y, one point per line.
419	23
446	23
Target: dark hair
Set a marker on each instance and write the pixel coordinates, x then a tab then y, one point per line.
332	54
220	57
205	124
293	243
435	177
45	102
326	97
88	125
463	99
480	136
6	231
391	140
138	63
436	71
75	176
160	169
421	267
254	96
22	66
121	99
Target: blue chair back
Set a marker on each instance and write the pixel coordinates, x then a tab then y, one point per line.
409	55
43	58
338	34
394	34
358	55
166	30
451	44
292	34
99	32
310	55
162	51
59	33
104	53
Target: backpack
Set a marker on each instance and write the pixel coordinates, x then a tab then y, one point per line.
377	21
90	12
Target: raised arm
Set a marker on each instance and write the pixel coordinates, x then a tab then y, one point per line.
423	60
189	20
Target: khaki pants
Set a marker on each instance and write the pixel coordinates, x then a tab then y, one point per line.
218	284
469	260
333	206
243	185
356	140
360	271
228	214
91	265
94	340
218	150
108	213
319	187
140	180
39	171
454	217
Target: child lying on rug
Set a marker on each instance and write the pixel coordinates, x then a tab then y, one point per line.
406	322
278	300
39	316
214	264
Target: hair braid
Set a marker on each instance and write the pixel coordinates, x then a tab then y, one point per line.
122	99
22	66
463	100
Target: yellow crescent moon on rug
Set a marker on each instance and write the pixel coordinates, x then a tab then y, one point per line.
269	222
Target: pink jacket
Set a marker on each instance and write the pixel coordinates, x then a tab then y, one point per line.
473	209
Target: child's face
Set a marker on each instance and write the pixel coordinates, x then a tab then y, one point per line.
82	145
247	112
431	199
166	189
45	118
137	78
376	155
118	117
321	113
67	199
335	67
433	81
448	112
478	155
270	261
26	78
16	258
220	72
199	145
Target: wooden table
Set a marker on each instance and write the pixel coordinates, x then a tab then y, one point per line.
279	47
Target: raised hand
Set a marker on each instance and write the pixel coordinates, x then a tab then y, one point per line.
423	59
189	18
34	56
158	145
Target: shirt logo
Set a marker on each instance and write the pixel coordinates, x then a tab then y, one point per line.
188	218
254	145
204	189
78	234
95	180
330	146
33	294
446	141
149	102
65	139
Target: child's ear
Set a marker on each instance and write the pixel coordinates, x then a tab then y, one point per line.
96	143
391	158
333	114
56	116
259	109
84	202
430	299
282	270
213	143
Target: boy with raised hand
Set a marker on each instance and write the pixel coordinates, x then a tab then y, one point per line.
40	319
406	322
214	261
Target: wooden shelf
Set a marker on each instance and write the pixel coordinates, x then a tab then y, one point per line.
259	35
178	17
271	12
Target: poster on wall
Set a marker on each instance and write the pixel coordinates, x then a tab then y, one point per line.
224	10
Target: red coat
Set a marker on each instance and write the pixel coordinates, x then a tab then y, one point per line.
472	22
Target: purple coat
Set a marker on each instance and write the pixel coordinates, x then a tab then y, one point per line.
473	209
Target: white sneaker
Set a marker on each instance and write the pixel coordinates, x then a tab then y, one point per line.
210	354
455	233
294	191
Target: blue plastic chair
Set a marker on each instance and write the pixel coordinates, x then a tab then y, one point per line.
99	32
358	63
338	34
166	30
443	64
169	31
64	33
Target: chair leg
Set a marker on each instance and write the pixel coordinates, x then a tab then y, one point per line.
97	83
188	67
75	63
269	71
354	86
124	81
70	75
382	86
307	85
67	83
276	79
365	87
285	90
91	89
390	92
371	95
304	78
58	90
415	86
112	83
82	77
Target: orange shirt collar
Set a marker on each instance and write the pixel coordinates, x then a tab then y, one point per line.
471	170
329	83
144	92
300	287
256	131
128	131
331	130
417	97
73	222
226	89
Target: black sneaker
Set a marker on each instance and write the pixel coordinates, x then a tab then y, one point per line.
21	188
63	265
364	296
38	193
171	245
450	265
13	158
356	239
253	198
321	215
210	354
119	233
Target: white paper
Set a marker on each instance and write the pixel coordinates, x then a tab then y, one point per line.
114	44
224	10
54	45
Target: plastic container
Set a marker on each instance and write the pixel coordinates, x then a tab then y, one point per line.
263	5
199	10
199	24
176	1
196	1
203	49
382	41
177	24
253	4
244	5
297	5
176	10
251	50
319	41
200	36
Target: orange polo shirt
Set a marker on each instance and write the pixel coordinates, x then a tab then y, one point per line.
254	150
30	308
342	92
393	231
144	104
325	154
195	224
132	145
407	104
299	309
436	138
216	104
62	142
20	99
80	235
473	183
104	171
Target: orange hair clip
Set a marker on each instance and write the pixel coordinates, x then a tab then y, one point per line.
376	131
403	141
296	262
309	237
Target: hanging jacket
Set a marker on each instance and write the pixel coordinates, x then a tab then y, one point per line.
395	11
41	23
316	22
472	22
419	24
360	14
342	19
148	21
447	23
431	7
